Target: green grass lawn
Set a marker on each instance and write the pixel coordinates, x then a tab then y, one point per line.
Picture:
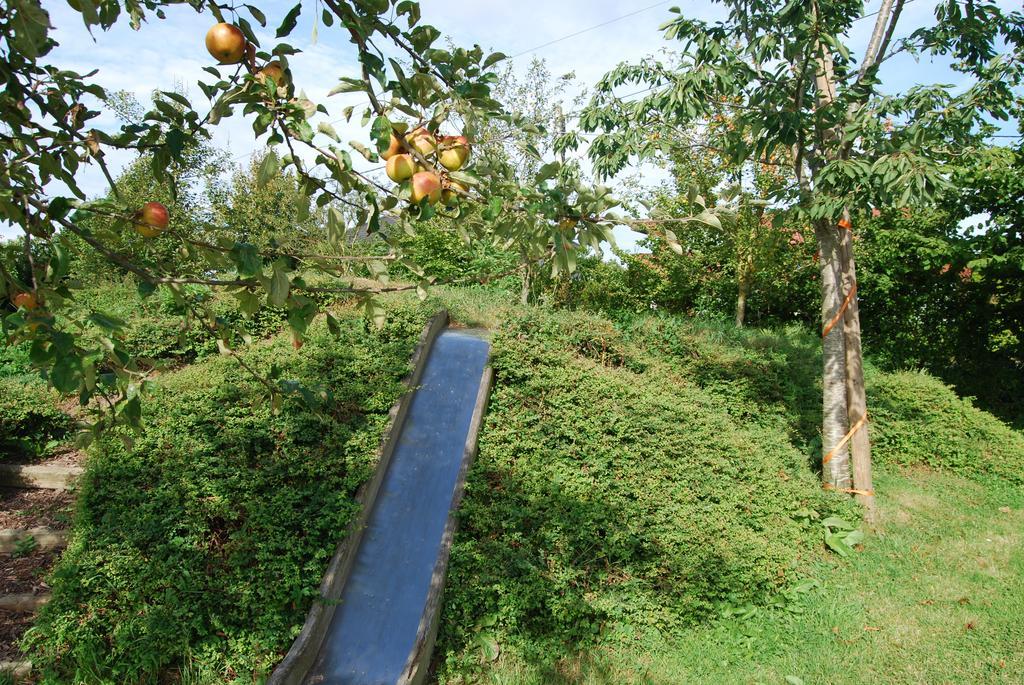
936	595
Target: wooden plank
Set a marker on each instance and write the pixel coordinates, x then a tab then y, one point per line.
46	538
16	669
44	476
23	602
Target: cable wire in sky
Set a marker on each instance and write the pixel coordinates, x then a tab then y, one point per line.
591	28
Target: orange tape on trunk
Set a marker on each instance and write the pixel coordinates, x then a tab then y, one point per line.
842	308
846	438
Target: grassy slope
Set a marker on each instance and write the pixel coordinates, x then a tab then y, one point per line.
637	484
936	596
202	544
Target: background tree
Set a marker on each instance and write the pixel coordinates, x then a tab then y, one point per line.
275	214
783	73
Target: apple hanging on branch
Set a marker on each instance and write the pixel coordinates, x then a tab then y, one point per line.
151	220
26	301
226	43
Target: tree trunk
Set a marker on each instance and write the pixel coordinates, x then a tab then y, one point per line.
856	399
836	470
741	300
524	293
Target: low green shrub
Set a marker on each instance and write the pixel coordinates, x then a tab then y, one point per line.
160	327
201	545
30	420
613	495
916	419
14	361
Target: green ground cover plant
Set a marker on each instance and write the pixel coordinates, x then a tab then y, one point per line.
615	496
935	596
31	422
646	508
199	544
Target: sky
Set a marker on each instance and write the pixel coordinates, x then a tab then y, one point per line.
170	54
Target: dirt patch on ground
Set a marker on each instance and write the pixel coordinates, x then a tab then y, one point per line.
13	625
26	574
31	508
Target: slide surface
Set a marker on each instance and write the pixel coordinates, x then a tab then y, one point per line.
375	624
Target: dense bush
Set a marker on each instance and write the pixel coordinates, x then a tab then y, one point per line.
203	543
645	474
161	327
14	361
615	495
30	420
918	420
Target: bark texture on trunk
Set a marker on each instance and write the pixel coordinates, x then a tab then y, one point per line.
741	302
524	292
836	472
856	398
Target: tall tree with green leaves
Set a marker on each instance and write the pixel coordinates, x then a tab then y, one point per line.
782	72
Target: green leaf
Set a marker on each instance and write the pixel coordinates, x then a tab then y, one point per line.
854	537
837	543
248	301
347	85
332	325
368	154
65	373
268	169
489	647
548	171
247	259
289	21
381	132
106	322
257	14
375	312
464	177
836	522
279	285
708	217
493	209
493	58
328	131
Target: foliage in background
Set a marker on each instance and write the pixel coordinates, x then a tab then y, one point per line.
189	186
272	214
